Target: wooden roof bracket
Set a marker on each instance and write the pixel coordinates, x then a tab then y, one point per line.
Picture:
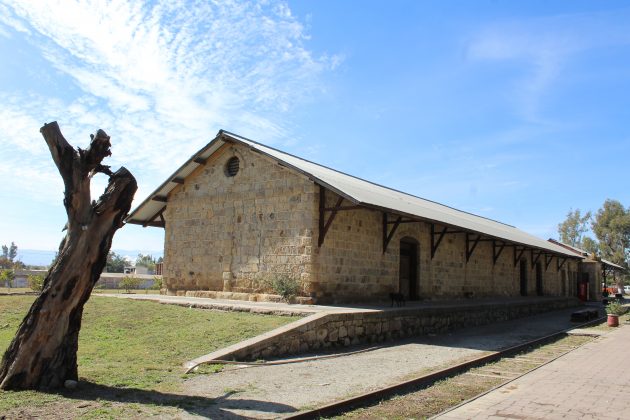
548	259
153	223
496	252
436	243
324	224
534	261
387	237
518	253
470	249
560	264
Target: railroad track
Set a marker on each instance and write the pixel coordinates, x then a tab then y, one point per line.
487	371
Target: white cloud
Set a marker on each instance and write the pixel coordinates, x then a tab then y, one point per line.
191	65
544	47
544	57
246	53
160	79
17	131
7	19
25	179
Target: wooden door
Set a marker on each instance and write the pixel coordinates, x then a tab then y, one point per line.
408	274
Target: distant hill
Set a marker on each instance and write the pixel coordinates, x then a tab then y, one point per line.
35	256
43	257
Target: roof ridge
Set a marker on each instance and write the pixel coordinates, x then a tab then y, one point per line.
361	179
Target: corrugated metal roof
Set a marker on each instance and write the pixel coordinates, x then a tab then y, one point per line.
149	208
587	254
612	264
356	190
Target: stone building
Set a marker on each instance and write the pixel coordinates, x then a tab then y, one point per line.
240	216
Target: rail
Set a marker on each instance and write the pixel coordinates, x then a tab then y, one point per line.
345	405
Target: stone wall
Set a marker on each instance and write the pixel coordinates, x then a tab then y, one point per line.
233	233
329	330
351	265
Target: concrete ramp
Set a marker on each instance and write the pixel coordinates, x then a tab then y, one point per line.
351	326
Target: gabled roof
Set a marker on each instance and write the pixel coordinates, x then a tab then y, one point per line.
587	254
355	190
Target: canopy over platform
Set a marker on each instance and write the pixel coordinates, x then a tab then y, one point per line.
608	267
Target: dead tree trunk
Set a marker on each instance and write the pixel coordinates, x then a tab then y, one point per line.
43	354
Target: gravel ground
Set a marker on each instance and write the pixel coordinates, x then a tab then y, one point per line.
274	391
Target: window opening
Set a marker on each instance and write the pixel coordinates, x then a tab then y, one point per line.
232	166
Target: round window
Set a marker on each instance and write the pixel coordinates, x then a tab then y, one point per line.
232	166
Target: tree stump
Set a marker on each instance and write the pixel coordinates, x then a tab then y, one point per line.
43	353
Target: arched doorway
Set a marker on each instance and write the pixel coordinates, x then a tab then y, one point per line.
539	279
523	277
408	273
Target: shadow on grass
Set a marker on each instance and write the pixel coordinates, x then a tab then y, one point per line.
219	407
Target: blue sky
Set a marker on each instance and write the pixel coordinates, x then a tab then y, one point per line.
517	111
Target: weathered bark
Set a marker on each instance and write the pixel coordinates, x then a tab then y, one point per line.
43	354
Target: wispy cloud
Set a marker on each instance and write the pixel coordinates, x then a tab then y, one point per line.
544	47
161	79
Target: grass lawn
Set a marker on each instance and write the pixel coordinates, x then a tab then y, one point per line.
130	357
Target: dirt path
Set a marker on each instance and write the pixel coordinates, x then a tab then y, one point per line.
271	391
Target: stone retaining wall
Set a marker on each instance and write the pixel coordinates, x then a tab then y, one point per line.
328	330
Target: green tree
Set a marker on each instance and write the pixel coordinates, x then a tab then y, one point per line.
146	261
611	226
7	277
115	263
10	252
590	245
572	230
7	260
18	265
5	263
157	283
129	282
36	282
